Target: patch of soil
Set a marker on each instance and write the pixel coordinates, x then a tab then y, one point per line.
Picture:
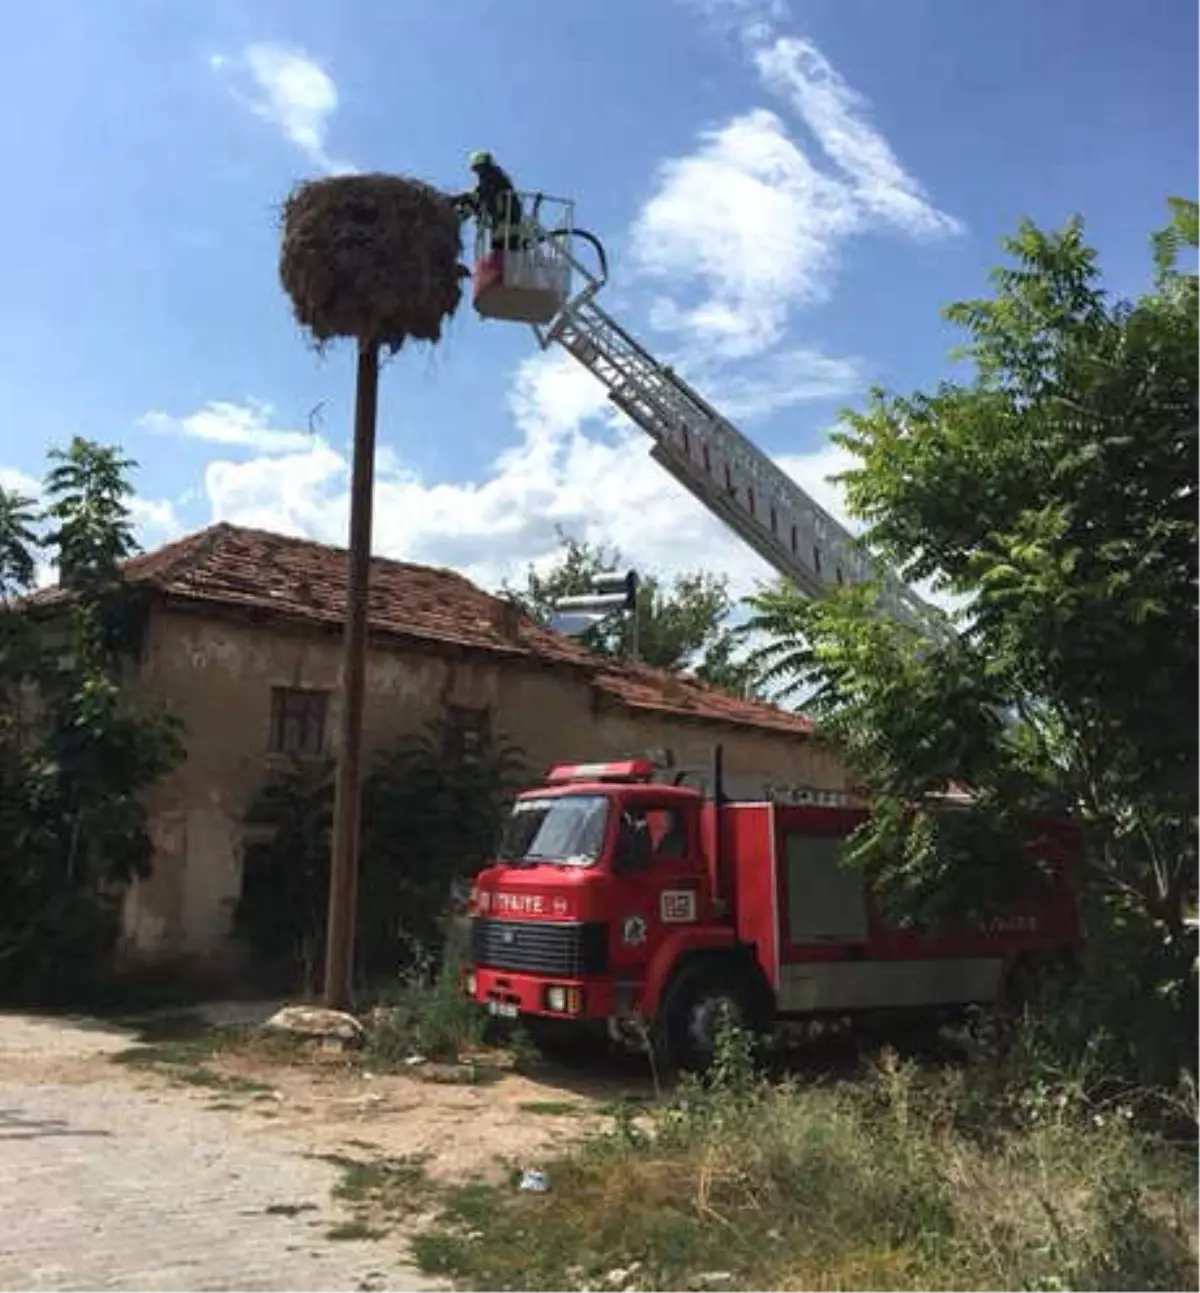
461	1129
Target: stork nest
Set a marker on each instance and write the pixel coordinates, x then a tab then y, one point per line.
371	256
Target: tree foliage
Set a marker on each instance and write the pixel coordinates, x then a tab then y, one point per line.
431	815
681	625
75	751
1054	492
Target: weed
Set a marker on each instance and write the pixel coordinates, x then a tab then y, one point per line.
181	1040
355	1230
441	1253
618	1107
168	1054
198	1075
553	1108
893	1180
381	1181
184	1061
380	1192
525	1054
434	1020
288	1209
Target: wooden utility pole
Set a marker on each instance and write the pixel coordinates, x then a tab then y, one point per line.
343	871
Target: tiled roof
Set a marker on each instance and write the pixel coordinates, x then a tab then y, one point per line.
296	579
638	687
301	580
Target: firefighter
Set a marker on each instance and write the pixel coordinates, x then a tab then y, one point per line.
494	200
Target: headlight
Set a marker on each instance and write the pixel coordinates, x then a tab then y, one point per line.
556	999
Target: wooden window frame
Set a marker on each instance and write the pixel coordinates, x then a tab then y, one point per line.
306	706
470	730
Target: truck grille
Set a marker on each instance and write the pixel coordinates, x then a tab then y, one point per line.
566	948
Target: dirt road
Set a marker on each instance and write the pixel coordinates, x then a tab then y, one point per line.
119	1177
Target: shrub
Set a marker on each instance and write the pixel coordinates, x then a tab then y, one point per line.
430	816
421	1017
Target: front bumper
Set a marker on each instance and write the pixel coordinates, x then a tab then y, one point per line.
504	991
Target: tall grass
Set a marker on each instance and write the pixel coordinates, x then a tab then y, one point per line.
901	1179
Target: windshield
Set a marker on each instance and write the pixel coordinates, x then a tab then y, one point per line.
568	829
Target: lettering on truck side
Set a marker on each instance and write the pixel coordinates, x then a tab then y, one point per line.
1013	925
519	904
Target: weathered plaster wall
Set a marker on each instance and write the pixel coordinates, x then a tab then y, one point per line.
217	676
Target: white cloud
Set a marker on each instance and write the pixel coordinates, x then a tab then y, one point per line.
551	393
762	385
223	422
748	18
748	226
155	520
15	481
837	116
601	488
292	493
291	91
750	218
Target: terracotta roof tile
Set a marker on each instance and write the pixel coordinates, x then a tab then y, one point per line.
299	580
653	689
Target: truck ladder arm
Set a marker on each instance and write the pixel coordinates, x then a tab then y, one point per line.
721	468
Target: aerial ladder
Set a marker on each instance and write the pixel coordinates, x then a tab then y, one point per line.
531	271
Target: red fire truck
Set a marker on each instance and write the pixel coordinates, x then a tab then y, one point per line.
623	903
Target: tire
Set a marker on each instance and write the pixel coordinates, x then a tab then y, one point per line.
685	1030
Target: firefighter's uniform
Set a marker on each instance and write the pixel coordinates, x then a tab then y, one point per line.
494	200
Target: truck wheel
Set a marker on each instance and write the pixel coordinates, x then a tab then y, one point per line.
689	1017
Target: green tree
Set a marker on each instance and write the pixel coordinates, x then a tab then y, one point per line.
76	751
681	625
1055	491
17	543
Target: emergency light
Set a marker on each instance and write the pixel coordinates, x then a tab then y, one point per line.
625	770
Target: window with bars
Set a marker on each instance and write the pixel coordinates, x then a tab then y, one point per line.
470	730
297	721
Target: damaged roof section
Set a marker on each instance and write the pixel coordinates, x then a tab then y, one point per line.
273	575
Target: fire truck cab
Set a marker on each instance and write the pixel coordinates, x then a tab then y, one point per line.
647	909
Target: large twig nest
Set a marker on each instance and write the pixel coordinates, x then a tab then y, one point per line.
371	256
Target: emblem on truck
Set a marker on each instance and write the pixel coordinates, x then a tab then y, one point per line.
633	931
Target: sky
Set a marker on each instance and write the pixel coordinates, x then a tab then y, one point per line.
789	194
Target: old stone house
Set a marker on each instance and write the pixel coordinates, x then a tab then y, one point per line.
242	641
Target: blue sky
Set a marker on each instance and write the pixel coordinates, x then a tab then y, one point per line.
788	196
